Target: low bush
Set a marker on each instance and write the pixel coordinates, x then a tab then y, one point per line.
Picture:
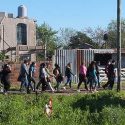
102	108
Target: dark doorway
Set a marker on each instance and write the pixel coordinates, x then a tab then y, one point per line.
102	58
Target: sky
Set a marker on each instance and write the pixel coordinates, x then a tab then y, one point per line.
76	14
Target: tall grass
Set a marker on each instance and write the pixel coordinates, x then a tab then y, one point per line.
102	108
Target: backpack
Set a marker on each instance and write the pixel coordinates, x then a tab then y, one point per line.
57	73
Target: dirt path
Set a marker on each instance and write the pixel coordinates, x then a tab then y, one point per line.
61	92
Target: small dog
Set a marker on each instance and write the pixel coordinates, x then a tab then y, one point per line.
48	108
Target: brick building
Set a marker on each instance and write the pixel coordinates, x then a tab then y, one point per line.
18	35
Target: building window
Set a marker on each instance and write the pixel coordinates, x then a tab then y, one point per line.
21	34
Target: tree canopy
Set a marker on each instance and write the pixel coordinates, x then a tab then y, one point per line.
46	35
112	33
80	39
71	38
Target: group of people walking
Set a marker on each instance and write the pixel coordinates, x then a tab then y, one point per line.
91	76
87	75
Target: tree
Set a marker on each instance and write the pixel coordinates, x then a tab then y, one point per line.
79	40
112	33
96	35
46	35
64	36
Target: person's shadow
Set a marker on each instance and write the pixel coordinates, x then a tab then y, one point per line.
96	102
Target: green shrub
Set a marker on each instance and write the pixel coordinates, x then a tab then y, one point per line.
102	108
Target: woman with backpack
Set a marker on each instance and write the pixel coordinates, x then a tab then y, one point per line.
92	76
58	76
68	74
5	79
44	77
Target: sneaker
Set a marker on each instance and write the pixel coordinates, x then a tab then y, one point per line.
5	93
1	90
64	88
78	90
95	90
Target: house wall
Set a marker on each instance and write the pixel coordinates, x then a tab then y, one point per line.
9	33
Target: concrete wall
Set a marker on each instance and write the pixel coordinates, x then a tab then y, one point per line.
9	33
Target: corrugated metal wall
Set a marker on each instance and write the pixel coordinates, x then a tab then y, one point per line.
63	57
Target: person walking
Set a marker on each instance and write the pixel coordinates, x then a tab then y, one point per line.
97	73
23	76
31	78
82	77
92	76
111	76
58	76
42	77
68	74
5	79
48	77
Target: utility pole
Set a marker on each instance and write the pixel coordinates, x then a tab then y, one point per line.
45	51
118	45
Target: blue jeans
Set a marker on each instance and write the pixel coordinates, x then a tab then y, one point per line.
93	82
69	81
24	82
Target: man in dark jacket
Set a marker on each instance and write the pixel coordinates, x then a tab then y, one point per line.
68	74
24	75
97	73
111	75
5	79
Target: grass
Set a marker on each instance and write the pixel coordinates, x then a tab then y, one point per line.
102	108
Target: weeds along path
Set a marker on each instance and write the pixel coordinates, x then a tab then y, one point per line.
61	92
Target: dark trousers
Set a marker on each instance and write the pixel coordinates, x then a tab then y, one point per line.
44	84
92	82
82	78
69	81
31	80
110	83
6	85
